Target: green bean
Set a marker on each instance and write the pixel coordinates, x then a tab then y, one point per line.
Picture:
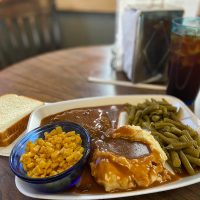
176	123
176	162
182	126
160	141
189	138
128	107
192	151
173	116
193	160
171	108
164	111
146	125
152	126
153	100
140	122
166	129
149	109
197	138
165	101
186	163
163	138
137	116
179	141
157	112
176	131
192	132
170	135
179	145
147	102
186	133
146	118
141	105
183	138
178	170
160	125
155	118
168	155
132	114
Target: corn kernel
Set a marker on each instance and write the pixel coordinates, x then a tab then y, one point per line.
52	155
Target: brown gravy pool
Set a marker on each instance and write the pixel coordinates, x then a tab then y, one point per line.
98	124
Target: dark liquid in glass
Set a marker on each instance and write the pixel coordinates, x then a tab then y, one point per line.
184	67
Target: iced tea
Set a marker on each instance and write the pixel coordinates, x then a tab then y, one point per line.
184	65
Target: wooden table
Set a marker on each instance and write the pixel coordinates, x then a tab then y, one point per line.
62	75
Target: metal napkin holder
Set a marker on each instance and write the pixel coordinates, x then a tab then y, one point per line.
146	42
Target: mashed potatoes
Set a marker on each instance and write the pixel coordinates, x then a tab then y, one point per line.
120	172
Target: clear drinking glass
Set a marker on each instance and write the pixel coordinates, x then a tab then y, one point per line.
184	61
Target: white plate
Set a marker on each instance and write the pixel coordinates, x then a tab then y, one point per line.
187	117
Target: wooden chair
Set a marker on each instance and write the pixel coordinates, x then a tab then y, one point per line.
27	28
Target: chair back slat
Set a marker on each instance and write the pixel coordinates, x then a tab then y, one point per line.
54	32
8	43
26	29
41	33
2	58
30	32
17	33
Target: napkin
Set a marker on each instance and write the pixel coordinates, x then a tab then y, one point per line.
130	34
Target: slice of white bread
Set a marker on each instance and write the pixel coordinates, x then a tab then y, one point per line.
14	115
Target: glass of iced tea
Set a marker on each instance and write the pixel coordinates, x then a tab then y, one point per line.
184	60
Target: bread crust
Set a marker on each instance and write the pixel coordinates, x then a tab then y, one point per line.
15	111
11	133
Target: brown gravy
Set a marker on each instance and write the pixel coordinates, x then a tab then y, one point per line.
127	149
96	120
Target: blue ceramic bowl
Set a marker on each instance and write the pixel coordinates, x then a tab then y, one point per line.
60	181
